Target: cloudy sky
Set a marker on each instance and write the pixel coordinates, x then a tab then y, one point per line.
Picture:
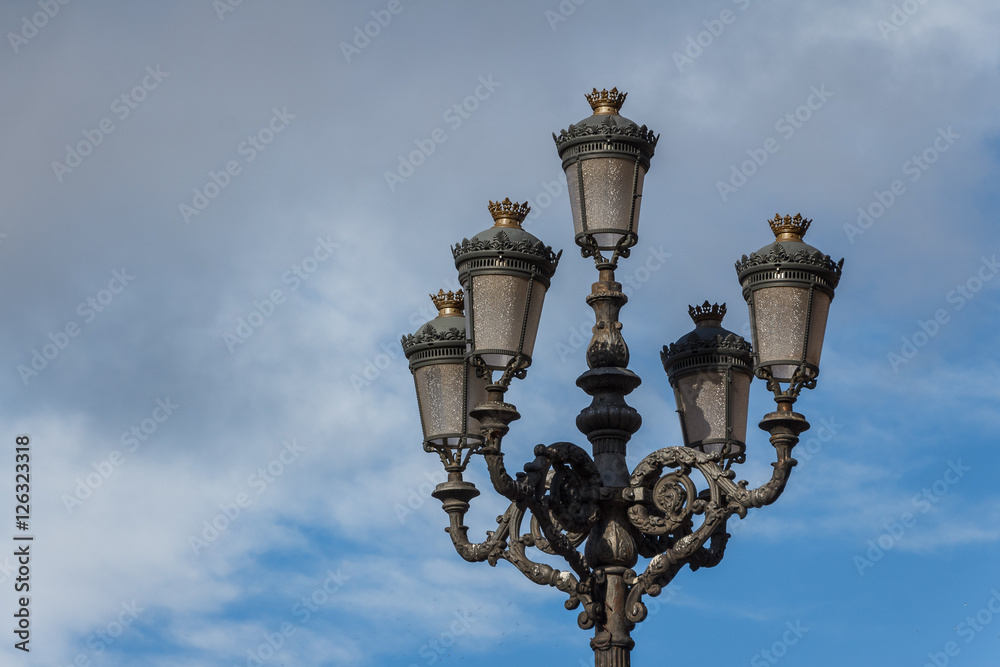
220	217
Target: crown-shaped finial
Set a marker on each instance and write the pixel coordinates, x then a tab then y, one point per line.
449	303
508	214
606	102
789	228
709	314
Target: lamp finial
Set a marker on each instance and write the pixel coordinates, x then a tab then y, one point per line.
507	213
606	102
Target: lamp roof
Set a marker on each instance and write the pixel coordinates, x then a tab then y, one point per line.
606	121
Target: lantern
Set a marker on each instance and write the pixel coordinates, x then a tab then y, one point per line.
605	157
447	385
788	287
710	372
505	272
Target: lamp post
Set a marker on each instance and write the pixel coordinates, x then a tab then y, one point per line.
567	497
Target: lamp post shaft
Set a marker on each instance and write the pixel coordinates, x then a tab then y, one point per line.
609	423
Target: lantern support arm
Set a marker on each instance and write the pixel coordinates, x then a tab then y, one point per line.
785	427
560	488
664	504
508	543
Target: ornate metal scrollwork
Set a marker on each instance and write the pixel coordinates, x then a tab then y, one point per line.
673	507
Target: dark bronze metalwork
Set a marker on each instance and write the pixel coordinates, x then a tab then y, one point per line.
572	497
590	509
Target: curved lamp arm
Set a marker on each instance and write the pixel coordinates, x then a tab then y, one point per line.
665	504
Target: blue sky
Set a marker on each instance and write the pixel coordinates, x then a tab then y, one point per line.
211	247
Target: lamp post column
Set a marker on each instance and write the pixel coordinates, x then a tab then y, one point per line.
609	423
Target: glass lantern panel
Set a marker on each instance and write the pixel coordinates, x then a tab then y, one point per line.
534	317
739	405
499	302
573	188
476	392
608	197
780	318
817	326
701	397
439	388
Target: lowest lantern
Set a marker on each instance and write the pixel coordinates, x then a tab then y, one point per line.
605	157
447	385
788	287
505	272
710	372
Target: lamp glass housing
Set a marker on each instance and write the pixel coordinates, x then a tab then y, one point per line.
507	307
505	272
445	393
788	287
603	206
710	372
789	325
605	158
446	383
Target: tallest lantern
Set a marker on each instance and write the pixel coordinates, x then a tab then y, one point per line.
605	157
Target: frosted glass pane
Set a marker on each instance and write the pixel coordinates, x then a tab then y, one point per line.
817	326
476	390
780	314
739	402
534	316
499	301
702	400
608	191
439	387
573	187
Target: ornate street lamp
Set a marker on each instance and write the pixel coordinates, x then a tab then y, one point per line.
573	497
